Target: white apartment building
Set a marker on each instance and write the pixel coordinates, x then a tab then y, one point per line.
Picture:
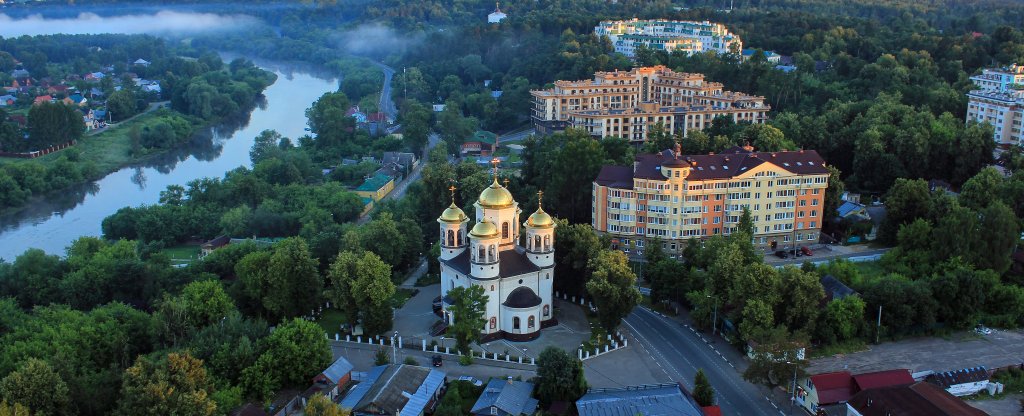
999	101
669	35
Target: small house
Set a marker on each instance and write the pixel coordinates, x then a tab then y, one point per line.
506	398
835	289
376	187
482	143
659	399
209	246
141	62
7	100
839	387
42	99
395	390
334	378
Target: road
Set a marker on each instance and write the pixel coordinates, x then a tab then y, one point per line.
516	136
387	106
681	352
822	256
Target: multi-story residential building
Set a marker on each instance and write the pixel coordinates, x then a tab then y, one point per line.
628	103
999	101
673	198
669	35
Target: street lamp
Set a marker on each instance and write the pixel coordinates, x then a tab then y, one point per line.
714	320
792	399
394	348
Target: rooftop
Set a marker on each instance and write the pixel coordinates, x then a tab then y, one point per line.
376	182
730	163
952	378
510	396
401	386
918	399
657	400
338	370
833	387
511	261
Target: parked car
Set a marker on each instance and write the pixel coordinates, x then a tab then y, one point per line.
983	330
437	361
471	380
806	250
782	254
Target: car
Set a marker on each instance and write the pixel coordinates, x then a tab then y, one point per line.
983	330
471	380
437	361
806	250
782	254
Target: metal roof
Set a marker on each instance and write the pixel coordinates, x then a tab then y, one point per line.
338	370
662	400
509	396
418	401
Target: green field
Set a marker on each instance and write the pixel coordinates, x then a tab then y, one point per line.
182	252
331	321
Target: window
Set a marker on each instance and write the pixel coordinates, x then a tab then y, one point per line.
451	238
494	322
547	310
504	230
531	322
515	322
492	288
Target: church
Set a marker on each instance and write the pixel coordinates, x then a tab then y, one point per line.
516	279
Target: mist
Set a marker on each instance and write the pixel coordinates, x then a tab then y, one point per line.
160	23
374	39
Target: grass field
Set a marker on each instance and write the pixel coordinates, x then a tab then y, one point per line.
109	150
331	321
182	252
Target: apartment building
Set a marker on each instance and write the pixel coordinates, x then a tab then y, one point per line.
673	197
629	103
999	101
669	35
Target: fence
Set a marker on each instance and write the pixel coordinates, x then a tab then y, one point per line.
37	153
399	342
613	342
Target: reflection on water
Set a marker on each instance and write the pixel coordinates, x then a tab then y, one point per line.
53	222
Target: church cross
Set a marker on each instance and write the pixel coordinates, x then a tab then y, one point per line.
452	189
506	182
540	198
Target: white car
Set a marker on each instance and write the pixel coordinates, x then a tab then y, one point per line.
472	380
983	330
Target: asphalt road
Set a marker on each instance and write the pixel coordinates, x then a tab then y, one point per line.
681	352
387	106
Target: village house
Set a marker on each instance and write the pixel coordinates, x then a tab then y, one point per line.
506	398
376	187
395	390
481	143
7	100
916	399
334	378
836	388
660	399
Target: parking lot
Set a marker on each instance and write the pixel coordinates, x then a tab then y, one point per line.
961	350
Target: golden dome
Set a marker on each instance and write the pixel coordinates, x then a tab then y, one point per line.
484	228
496	196
453	214
540	219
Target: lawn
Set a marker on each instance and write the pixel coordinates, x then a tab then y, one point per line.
869	269
331	321
182	252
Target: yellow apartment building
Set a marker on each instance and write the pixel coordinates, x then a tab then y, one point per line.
673	198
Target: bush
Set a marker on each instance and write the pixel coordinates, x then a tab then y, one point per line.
410	361
465	360
381	357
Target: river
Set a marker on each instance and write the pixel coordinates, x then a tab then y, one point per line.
54	222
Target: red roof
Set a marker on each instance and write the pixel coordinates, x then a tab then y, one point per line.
712	411
43	98
886	378
833	387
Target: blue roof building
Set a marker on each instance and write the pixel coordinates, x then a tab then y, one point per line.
395	390
652	400
506	398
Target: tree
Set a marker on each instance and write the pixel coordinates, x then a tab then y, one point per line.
575	245
778	356
361	286
843	320
612	287
37	387
1001	229
907	200
833	194
295	352
559	376
121	104
320	405
765	138
468	308
285	281
175	385
702	391
206	302
53	123
13	409
381	357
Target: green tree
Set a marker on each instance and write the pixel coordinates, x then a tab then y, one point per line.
121	104
320	405
285	281
842	320
467	309
833	194
906	201
175	385
381	357
295	352
702	391
777	358
1001	230
38	387
575	245
612	287
361	286
765	138
14	409
50	124
559	376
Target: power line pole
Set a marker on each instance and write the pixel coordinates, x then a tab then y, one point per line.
878	327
